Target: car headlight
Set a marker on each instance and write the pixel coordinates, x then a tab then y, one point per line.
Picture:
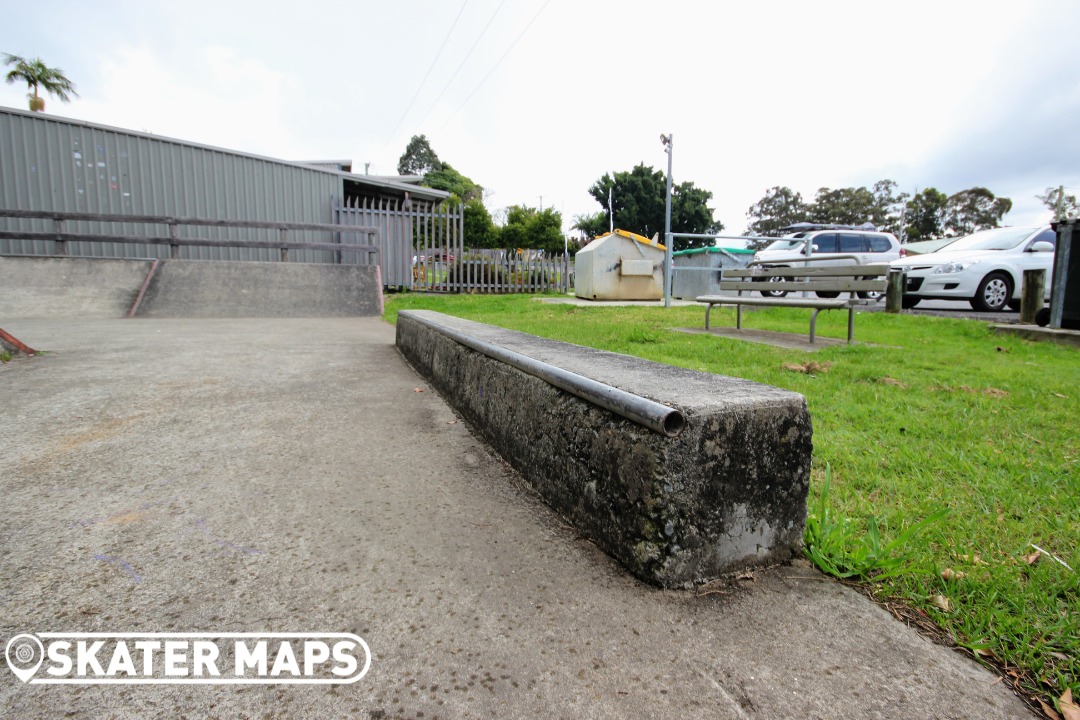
954	267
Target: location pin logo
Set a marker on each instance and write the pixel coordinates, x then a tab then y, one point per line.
24	655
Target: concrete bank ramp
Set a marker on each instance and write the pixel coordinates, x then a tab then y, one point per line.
69	287
102	288
287	476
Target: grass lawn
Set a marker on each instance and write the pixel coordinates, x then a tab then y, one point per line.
937	414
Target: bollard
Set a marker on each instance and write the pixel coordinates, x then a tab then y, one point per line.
894	294
1031	295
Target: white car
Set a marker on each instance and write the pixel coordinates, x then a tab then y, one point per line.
985	268
868	247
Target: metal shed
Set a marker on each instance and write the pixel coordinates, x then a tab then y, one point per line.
58	164
698	270
620	265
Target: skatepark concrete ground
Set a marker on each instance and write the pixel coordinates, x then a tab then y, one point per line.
174	475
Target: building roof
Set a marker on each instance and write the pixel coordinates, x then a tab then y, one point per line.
392	183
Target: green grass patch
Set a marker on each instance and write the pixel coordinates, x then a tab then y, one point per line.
952	452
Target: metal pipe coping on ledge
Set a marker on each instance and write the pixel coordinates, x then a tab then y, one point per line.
648	413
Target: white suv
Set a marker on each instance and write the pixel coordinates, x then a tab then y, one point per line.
986	268
867	247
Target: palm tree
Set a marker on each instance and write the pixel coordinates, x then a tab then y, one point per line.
37	75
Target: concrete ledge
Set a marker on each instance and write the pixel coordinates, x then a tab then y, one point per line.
1043	334
729	491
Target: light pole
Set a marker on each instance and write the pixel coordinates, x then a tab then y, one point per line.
668	257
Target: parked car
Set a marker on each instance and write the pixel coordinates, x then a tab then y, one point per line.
833	242
921	247
985	268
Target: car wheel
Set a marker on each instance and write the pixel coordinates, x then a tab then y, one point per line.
775	293
994	292
908	302
871	295
827	295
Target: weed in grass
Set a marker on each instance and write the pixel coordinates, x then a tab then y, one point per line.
835	546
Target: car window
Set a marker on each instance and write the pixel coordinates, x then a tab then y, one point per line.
852	243
879	244
1049	236
825	243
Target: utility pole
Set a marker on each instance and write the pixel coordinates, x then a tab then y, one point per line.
668	142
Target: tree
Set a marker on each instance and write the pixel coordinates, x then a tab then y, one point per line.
637	199
925	217
445	177
418	158
479	230
888	212
780	207
38	76
592	225
1064	206
527	227
975	209
843	206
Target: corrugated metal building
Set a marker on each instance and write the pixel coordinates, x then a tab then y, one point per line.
57	164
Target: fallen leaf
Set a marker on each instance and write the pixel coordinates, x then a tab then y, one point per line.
1032	558
984	652
1069	709
950	574
941	602
418	390
1050	712
1064	397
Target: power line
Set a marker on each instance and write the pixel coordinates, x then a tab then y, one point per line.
426	75
494	67
466	58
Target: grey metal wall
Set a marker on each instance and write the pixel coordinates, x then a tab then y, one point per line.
49	163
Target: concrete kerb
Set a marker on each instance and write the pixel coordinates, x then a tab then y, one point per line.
677	508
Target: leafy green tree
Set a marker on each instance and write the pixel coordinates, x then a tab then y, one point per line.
925	216
418	158
780	207
447	178
1064	206
527	227
888	212
637	199
975	209
479	229
843	206
591	226
38	76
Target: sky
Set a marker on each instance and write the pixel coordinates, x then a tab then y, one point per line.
537	99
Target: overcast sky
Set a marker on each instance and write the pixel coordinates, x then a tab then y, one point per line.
539	98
